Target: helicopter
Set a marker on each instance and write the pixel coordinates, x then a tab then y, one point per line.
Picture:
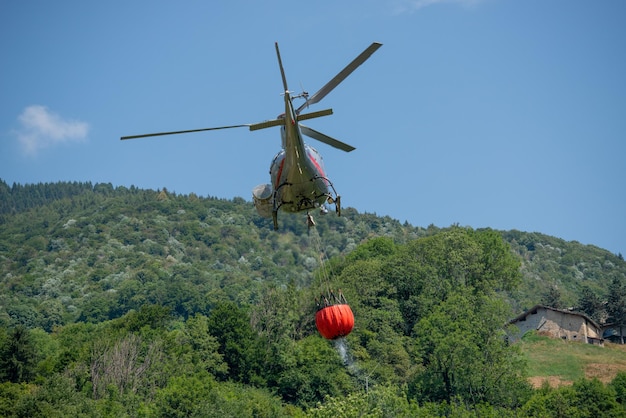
298	178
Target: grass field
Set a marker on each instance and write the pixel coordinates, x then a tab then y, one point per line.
562	362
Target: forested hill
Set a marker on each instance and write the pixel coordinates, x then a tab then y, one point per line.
127	302
77	251
80	242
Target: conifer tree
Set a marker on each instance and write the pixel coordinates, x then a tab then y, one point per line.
616	305
17	356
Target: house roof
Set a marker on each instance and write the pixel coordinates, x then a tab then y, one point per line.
534	309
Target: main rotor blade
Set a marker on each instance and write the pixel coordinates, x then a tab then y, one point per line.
341	76
281	121
282	70
267	124
317	114
326	139
182	132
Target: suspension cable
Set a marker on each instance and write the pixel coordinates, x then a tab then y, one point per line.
324	273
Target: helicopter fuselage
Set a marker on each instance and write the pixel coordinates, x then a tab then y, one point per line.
299	179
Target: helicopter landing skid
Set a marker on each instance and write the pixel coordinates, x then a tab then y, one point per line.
338	205
307	203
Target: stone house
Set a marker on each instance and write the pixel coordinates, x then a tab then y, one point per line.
558	323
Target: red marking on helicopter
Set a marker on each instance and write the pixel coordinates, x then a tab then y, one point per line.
280	173
318	166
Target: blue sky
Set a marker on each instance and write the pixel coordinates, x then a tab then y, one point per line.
486	113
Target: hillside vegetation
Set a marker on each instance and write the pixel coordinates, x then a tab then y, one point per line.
560	362
129	302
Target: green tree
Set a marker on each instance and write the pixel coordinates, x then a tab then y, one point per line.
312	370
464	353
17	356
230	325
619	386
425	271
552	298
184	396
153	316
501	269
373	248
616	304
195	345
591	304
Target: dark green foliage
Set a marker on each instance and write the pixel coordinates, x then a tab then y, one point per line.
230	325
17	356
196	347
616	304
586	398
424	272
153	316
619	386
199	396
56	397
591	304
312	371
185	396
466	357
552	298
374	248
10	395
